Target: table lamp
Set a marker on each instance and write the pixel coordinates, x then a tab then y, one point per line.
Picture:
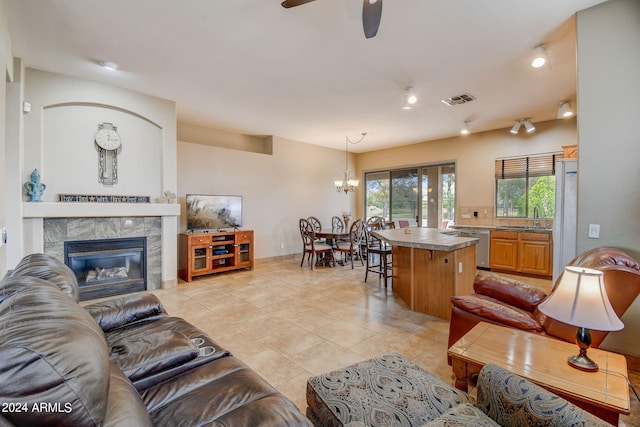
580	299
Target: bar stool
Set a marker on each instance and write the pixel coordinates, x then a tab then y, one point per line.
374	246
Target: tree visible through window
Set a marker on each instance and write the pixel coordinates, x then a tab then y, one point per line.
422	196
524	184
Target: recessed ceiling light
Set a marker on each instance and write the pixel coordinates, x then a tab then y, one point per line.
410	98
112	66
466	130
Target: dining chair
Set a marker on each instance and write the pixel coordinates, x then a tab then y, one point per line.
375	223
352	246
312	247
336	223
375	247
316	226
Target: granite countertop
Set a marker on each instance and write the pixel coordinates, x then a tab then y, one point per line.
424	238
526	228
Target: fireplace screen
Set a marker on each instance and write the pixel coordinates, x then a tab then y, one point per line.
107	267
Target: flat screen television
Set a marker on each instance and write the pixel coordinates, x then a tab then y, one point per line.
212	212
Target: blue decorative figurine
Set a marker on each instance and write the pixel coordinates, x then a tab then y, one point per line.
35	188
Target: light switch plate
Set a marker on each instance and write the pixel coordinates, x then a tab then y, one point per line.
594	231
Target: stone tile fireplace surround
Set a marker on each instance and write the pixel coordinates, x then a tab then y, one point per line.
59	230
47	225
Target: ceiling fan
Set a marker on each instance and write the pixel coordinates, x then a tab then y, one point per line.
371	13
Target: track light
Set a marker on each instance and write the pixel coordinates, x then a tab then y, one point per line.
410	98
465	128
528	126
539	56
565	110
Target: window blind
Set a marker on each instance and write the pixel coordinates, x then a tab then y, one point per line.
523	167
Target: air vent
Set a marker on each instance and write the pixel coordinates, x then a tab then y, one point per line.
459	99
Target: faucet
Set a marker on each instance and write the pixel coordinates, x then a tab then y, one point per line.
536	217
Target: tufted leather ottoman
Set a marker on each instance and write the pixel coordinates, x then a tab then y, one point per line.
383	391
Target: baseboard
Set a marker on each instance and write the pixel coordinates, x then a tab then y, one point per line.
267	260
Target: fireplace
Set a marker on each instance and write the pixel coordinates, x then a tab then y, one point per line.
108	267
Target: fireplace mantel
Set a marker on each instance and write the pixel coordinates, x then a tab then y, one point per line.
91	210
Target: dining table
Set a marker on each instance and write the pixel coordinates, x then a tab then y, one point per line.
332	235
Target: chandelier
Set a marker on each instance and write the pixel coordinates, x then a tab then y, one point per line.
347	184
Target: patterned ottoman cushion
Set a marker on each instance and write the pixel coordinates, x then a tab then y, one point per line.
383	391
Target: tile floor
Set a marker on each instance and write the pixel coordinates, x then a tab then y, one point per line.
289	323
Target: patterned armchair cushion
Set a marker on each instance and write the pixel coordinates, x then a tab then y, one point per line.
511	400
463	415
385	390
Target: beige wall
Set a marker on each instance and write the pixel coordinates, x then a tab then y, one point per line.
278	189
608	37
474	156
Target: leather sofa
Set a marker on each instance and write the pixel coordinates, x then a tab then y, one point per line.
509	302
121	362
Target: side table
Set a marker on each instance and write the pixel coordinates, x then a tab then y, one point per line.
543	360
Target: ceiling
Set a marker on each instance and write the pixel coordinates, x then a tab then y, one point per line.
308	73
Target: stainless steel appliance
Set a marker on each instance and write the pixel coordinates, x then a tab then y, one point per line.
483	246
564	223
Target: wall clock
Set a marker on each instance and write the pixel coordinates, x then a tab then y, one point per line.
108	142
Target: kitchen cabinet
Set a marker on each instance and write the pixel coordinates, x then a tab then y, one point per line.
534	253
504	250
524	252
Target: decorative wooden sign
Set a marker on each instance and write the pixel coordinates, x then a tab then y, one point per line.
102	198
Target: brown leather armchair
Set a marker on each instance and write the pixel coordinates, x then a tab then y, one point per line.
509	302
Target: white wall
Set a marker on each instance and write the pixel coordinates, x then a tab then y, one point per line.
60	130
296	181
70	157
59	137
608	37
6	64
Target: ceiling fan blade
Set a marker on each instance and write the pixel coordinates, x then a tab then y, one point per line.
293	3
371	14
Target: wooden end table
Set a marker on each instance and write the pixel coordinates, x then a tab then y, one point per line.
543	361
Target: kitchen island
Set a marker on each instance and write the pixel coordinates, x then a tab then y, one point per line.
430	267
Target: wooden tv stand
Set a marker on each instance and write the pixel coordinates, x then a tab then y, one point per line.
215	252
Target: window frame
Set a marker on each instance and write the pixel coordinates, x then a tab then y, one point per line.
524	167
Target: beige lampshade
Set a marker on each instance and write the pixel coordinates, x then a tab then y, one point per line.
580	299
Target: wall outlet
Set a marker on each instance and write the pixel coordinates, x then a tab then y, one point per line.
281	245
594	231
475	214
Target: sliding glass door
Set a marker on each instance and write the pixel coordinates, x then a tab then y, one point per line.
419	197
404	196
